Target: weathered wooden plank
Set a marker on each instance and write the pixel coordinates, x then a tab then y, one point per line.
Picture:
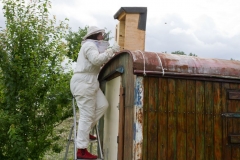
238	122
145	118
128	83
120	34
191	120
233	107
172	135
181	118
226	152
234	95
217	123
200	132
234	139
121	124
162	120
152	118
128	132
208	120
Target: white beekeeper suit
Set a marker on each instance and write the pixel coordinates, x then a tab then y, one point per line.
84	84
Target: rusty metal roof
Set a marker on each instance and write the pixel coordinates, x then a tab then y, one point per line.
153	63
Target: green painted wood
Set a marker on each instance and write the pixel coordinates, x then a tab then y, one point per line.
217	122
208	121
191	120
163	119
181	104
200	130
145	119
152	118
172	119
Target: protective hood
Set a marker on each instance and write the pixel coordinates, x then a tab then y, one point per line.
93	30
101	45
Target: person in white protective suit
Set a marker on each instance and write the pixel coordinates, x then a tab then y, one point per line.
84	86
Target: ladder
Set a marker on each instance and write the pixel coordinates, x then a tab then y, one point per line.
74	131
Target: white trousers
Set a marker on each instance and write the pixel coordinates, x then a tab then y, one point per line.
92	105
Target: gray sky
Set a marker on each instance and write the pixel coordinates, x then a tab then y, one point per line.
208	28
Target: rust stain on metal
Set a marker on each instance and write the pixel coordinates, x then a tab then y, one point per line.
139	116
138	148
153	62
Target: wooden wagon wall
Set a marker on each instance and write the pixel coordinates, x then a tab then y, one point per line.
128	85
183	120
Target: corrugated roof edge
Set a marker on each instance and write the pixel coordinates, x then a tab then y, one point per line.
164	64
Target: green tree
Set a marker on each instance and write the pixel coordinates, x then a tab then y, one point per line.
182	53
179	52
74	40
34	89
192	54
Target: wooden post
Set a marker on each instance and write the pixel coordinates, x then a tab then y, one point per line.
130	31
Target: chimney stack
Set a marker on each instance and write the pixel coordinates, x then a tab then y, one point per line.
130	31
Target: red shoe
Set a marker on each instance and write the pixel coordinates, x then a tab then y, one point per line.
92	138
84	154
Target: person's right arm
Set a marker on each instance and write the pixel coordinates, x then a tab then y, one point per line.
92	54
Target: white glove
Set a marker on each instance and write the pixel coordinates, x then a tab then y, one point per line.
115	47
110	53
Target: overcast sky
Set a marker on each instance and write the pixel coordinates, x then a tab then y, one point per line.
208	28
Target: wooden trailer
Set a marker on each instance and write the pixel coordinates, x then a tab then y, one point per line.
165	107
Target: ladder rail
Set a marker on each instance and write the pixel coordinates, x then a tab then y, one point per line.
75	132
69	140
99	142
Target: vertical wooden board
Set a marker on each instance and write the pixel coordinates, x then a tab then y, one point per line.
128	133
200	132
233	107
152	118
227	152
208	120
217	123
238	124
191	121
162	119
121	33
145	118
172	134
121	124
180	100
128	83
238	121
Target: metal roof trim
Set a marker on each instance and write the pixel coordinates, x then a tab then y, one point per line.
153	63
